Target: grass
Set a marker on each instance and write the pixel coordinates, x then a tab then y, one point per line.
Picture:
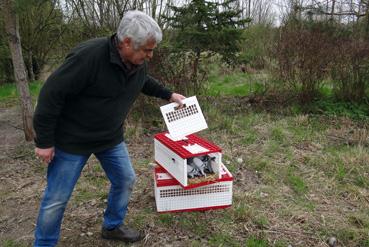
256	242
234	84
301	166
12	243
9	94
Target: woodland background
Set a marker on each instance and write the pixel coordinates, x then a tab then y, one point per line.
284	87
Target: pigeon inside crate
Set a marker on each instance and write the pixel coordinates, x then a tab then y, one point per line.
203	168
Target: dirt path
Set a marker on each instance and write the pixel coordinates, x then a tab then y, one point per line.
19	187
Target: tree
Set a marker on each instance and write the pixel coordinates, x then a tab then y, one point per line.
207	26
41	28
12	31
6	70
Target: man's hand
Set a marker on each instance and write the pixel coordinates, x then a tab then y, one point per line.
177	98
45	154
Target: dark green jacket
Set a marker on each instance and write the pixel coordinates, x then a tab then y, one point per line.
83	104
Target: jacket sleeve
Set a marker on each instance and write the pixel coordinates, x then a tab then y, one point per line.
67	81
153	88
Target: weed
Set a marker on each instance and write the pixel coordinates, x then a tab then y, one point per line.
235	84
166	219
261	221
278	135
296	182
330	107
256	242
222	239
191	224
9	93
249	138
340	171
347	235
12	243
364	243
242	212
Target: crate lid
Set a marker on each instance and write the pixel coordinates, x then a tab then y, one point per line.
189	147
163	178
183	121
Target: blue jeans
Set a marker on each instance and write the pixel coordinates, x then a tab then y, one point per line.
62	175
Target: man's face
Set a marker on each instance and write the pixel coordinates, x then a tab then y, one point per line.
136	56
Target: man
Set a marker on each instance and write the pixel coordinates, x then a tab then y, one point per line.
81	110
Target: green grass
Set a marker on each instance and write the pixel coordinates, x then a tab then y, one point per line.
9	93
235	84
331	107
12	243
256	242
296	182
223	239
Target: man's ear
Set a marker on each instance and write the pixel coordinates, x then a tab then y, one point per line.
126	43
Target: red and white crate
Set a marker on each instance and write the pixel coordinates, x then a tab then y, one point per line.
173	156
171	197
174	149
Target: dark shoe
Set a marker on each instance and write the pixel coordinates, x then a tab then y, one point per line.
122	233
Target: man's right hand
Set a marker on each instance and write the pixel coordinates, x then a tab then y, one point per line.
45	154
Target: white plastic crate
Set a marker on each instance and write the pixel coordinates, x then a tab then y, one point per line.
183	121
171	197
174	155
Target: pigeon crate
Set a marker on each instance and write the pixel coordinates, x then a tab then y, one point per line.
178	157
171	197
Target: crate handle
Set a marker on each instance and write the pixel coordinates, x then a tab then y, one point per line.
177	107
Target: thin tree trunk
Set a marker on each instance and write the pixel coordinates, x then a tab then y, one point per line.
12	31
153	10
195	70
332	10
367	21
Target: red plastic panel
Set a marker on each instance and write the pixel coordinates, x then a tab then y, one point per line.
196	209
177	146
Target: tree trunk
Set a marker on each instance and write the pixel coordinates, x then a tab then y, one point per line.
195	70
12	31
332	10
367	21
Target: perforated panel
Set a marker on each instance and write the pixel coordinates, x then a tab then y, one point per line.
174	198
184	121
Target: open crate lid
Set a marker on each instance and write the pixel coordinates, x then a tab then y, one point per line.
184	121
190	147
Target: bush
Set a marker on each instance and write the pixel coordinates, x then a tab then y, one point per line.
303	55
174	69
350	69
256	45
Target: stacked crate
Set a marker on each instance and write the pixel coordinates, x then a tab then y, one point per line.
175	151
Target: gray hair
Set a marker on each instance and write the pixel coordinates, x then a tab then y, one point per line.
139	27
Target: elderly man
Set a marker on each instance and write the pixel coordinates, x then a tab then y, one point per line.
81	110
